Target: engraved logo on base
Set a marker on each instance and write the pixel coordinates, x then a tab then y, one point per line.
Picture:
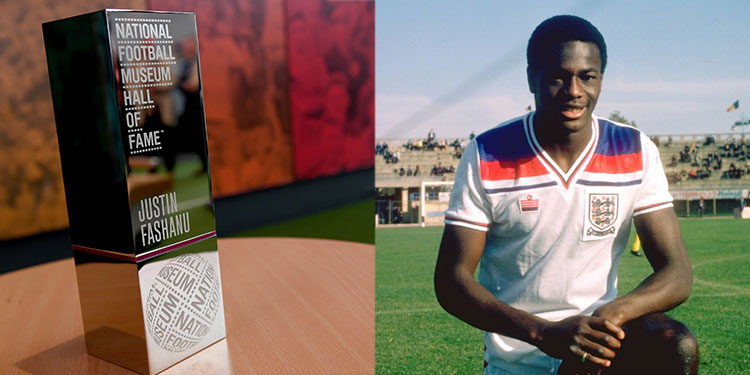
182	303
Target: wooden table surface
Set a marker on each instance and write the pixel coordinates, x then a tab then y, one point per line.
293	306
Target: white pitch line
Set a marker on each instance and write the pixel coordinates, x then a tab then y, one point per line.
720	285
720	295
720	260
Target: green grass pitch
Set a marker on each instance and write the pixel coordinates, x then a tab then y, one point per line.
415	336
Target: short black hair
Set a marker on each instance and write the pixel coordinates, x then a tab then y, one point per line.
561	29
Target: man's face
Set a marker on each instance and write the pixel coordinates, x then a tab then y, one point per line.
567	85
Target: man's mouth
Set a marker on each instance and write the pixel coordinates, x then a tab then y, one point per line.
573	113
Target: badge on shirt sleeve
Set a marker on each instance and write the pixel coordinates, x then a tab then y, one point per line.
529	203
601	215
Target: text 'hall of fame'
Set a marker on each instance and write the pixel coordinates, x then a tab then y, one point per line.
145	56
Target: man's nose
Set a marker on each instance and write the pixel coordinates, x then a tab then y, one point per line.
574	88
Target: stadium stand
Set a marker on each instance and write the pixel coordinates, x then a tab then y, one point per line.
701	161
713	166
394	162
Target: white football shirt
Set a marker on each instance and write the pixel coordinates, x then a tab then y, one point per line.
554	239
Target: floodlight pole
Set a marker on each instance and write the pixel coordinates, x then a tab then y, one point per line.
741	123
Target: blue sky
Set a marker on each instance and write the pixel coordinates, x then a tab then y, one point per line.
674	67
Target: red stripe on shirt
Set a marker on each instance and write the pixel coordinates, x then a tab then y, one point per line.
615	164
650	206
466	221
511	170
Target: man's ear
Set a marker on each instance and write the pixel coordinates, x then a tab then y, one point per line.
530	79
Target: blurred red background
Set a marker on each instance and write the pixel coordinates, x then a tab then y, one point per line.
288	89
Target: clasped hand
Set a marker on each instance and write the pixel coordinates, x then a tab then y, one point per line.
586	344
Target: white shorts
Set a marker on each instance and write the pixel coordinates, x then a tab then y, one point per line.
506	368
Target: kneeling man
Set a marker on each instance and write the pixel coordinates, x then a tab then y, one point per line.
542	204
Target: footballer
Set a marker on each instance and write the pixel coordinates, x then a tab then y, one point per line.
542	206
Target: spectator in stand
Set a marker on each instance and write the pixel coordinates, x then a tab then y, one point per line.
669	141
416	171
409	172
388	157
431	141
684	155
441	144
711	160
726	151
420	144
471	135
709	141
733	172
402	172
441	170
701	206
673	163
436	170
396	157
456	145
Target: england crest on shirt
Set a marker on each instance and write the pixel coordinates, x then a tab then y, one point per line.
601	215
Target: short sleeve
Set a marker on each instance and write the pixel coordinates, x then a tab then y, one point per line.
469	206
654	193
